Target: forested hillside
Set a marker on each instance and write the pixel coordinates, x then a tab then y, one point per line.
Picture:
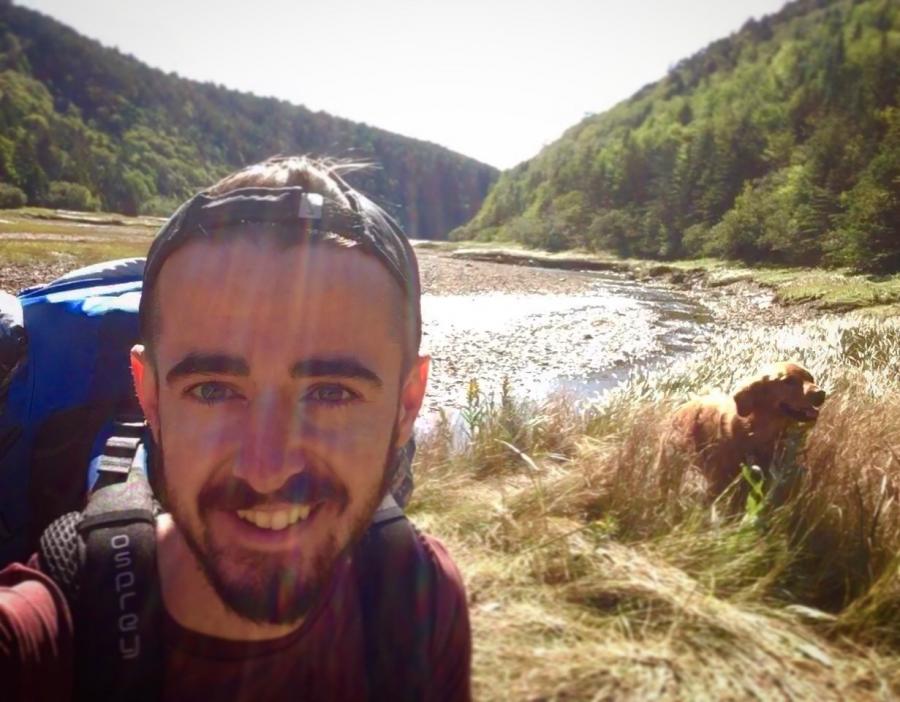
779	143
86	127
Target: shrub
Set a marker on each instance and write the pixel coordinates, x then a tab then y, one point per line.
159	206
696	241
530	231
70	196
613	230
11	197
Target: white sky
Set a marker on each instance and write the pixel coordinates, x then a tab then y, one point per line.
492	79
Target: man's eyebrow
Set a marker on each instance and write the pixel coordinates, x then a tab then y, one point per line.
208	364
341	367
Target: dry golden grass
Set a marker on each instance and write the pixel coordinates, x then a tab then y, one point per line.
595	573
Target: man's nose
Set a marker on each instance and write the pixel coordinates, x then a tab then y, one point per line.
817	398
270	452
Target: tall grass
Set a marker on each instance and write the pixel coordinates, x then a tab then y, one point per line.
597	572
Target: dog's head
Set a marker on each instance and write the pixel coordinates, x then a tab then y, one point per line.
786	391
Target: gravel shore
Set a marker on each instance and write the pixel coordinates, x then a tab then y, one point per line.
584	332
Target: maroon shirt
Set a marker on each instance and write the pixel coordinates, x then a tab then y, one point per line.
323	660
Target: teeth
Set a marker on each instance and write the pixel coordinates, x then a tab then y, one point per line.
277	520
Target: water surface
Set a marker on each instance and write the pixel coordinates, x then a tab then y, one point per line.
543	342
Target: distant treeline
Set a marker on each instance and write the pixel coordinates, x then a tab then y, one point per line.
780	143
86	127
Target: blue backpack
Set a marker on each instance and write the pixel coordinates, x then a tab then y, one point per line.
64	377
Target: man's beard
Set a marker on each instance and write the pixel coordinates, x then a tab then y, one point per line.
269	591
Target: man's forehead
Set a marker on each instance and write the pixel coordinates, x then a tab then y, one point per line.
245	289
274	273
252	248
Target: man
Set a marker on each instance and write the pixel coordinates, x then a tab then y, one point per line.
280	378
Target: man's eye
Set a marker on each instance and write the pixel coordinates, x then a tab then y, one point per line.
211	393
330	394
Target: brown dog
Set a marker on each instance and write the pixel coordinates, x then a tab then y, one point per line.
724	431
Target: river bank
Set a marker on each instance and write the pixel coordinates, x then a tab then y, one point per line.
821	290
543	330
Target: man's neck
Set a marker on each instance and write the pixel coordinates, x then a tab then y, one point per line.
191	600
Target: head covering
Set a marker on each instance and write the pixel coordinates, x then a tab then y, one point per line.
293	209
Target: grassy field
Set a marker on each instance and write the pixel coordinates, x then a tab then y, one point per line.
834	291
594	575
51	242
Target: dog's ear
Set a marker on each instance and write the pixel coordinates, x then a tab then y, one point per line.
749	396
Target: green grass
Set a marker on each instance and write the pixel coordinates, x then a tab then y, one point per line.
838	290
27	227
101	218
35	236
449	246
74	252
595	572
831	290
828	290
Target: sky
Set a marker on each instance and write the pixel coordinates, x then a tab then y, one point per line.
492	79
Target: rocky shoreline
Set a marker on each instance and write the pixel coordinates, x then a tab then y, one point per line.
735	301
586	346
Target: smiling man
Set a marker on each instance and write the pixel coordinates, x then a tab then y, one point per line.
280	379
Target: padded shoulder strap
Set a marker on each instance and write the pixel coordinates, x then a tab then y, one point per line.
397	590
105	561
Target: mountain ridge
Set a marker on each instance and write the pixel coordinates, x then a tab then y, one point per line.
83	124
780	142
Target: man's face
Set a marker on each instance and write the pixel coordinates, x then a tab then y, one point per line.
277	399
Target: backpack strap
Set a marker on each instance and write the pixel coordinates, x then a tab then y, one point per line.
104	560
397	590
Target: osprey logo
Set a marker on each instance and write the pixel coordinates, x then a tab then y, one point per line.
128	620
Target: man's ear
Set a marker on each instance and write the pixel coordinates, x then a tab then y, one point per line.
146	387
411	396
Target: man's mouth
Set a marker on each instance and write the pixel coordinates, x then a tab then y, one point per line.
276	520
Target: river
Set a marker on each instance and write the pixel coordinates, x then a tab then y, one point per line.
546	331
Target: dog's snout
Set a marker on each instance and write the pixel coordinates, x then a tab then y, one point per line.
817	398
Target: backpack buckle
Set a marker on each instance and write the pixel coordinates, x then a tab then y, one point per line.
123	451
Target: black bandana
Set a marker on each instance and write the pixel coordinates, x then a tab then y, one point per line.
294	209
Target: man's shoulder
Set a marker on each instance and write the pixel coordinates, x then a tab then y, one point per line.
415	612
35	635
451	640
447	575
451	591
27	595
